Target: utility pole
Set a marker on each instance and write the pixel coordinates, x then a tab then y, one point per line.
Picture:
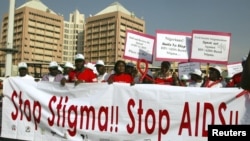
9	45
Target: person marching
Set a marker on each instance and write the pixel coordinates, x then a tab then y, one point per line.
184	80
80	74
68	67
102	74
131	69
120	75
23	71
195	78
214	79
164	76
53	75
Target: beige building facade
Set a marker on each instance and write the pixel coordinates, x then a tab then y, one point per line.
37	37
105	33
73	38
41	35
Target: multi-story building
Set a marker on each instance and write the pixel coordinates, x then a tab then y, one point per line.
41	35
37	37
105	33
73	38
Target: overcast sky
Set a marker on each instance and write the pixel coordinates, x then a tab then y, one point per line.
231	16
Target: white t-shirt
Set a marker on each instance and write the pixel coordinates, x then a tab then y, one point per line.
103	77
66	76
51	78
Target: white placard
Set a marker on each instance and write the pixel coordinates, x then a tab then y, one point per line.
186	68
210	47
139	46
172	46
234	68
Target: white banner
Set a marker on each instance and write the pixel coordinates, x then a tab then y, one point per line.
43	111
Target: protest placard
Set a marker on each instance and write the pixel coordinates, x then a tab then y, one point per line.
172	46
210	47
186	68
234	68
139	46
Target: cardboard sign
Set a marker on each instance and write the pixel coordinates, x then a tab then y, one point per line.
234	68
186	68
172	46
139	46
210	47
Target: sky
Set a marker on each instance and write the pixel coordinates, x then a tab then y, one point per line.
231	16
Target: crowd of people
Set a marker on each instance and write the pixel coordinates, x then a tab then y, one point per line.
128	73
